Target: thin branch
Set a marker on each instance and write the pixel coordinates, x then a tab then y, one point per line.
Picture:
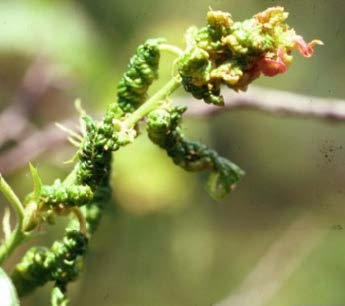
281	260
270	101
38	80
29	149
275	102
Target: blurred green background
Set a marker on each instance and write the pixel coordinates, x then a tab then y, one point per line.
163	240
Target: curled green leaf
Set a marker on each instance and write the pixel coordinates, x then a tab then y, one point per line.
163	129
141	72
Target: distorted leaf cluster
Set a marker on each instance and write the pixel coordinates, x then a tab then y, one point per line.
59	264
234	53
164	129
224	52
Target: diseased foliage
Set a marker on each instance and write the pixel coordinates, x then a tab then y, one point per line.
224	52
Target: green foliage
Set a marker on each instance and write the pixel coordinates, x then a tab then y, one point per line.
141	72
223	52
236	53
163	129
60	264
74	195
58	297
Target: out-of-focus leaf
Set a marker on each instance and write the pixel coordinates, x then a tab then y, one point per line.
8	294
57	29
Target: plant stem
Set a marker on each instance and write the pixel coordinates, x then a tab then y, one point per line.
171	48
11	243
137	115
153	102
17	236
13	199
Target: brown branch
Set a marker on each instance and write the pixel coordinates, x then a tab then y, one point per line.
39	142
275	102
281	260
270	101
38	80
